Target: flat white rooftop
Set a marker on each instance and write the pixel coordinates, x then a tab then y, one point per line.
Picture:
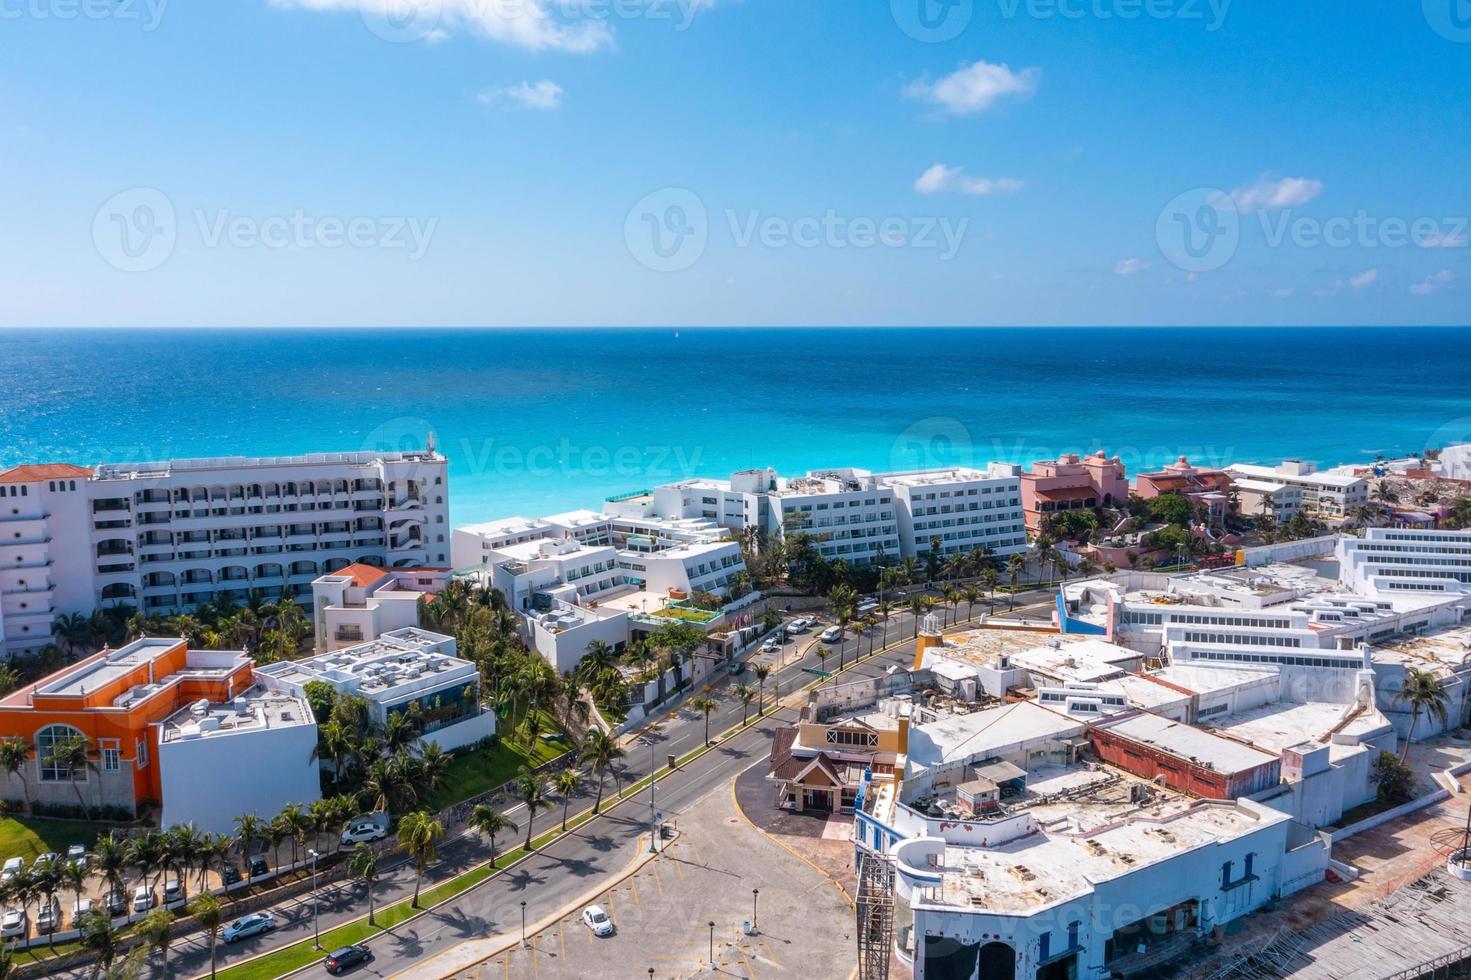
1275	727
1188	742
129	471
255	710
988	732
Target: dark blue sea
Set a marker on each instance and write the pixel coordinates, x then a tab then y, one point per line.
536	421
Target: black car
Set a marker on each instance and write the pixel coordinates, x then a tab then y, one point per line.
231	875
258	867
344	959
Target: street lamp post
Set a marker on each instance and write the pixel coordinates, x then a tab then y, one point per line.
653	838
712	944
316	932
523	923
755	894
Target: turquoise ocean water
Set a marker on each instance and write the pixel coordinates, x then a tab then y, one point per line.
536	421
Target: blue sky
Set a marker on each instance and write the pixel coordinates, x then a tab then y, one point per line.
691	162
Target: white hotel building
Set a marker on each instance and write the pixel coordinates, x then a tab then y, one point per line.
1391	561
1293	484
164	537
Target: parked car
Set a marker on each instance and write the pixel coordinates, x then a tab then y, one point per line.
13	867
115	902
597	920
48	917
255	924
13	924
866	606
258	867
832	634
173	891
144	898
80	908
76	854
795	627
50	857
360	831
771	646
231	875
344	959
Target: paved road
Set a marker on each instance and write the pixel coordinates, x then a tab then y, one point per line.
568	868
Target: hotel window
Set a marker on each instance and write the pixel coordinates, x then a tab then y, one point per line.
48	740
111	756
141	753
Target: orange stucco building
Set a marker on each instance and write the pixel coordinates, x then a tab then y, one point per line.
117	699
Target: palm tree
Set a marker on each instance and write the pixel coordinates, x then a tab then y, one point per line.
248	829
745	694
75	875
399	733
1423	692
364	867
916	609
206	912
600	750
157	932
532	793
109	861
567	783
704	705
490	821
1014	566
970	595
46	880
433	768
762	671
99	938
73	756
144	854
418	835
858	628
14	752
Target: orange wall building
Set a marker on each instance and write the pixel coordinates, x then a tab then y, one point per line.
117	699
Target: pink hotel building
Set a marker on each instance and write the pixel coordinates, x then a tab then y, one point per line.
1071	483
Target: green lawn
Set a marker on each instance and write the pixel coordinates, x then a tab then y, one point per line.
474	772
30	836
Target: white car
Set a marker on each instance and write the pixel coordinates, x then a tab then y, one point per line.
50	857
13	867
597	920
80	908
76	854
795	627
866	606
832	634
13	923
361	832
770	646
173	891
143	898
48	917
256	924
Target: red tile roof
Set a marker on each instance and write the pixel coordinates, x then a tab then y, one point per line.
37	472
362	575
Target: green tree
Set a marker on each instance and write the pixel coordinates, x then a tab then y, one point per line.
73	756
600	751
762	671
533	795
363	866
567	783
1394	779
418	835
1424	693
745	694
704	705
490	822
206	912
14	753
157	932
99	938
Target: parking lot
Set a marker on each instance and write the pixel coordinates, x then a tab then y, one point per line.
804	923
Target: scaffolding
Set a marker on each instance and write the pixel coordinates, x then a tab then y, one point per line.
875	916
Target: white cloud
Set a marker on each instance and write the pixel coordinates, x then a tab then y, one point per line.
528	24
975	88
1286	292
526	95
1441	239
1364	279
1128	267
942	178
1443	279
1269	193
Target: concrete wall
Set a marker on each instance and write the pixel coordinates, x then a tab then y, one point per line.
209	781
